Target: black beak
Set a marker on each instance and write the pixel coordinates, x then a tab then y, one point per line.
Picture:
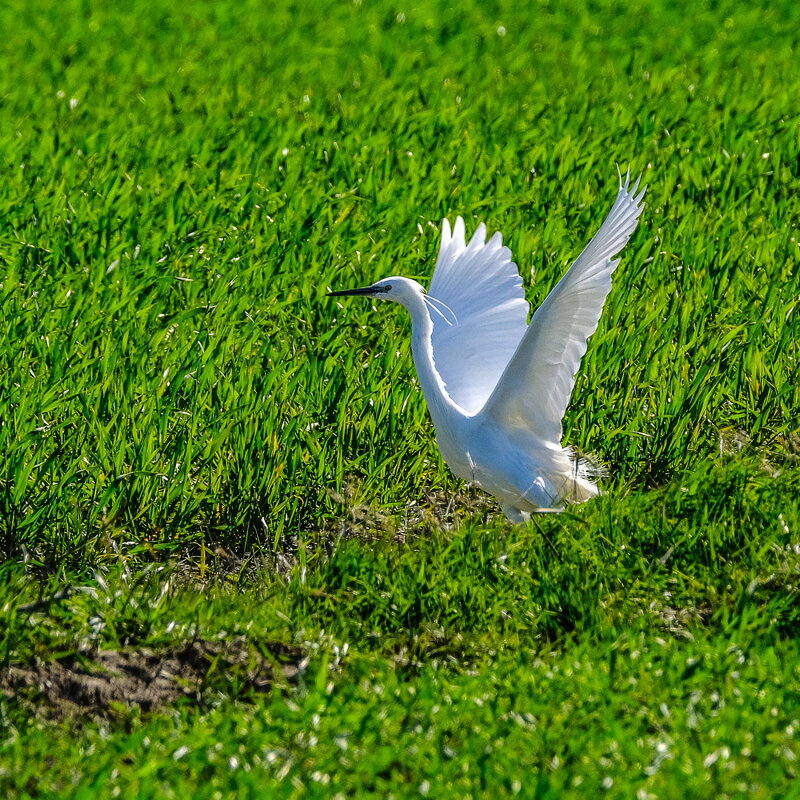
366	290
345	292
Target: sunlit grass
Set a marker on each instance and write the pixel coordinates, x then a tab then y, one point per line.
171	369
198	443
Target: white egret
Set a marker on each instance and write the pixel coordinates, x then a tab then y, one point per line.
497	388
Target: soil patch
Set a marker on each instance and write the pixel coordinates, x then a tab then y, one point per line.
96	681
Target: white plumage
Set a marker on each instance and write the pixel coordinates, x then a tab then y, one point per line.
497	388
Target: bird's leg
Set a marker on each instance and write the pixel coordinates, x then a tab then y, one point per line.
471	466
538	485
515	515
519	517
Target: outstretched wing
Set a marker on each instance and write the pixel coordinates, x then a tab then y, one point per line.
479	313
535	388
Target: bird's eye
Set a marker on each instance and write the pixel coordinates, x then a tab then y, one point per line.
387	288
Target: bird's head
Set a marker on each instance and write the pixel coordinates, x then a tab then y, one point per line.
400	290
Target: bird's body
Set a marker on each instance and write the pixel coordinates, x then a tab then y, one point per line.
496	387
522	470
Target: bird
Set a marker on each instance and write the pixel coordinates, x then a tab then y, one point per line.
496	386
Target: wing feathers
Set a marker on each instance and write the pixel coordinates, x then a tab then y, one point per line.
480	283
489	359
535	388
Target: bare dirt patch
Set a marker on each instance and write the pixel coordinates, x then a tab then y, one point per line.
96	681
438	510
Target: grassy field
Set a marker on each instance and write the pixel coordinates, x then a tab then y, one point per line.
233	563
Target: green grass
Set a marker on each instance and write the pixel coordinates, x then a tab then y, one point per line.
199	444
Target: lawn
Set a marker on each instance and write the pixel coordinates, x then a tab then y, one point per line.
232	562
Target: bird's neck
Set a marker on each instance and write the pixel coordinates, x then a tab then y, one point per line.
440	404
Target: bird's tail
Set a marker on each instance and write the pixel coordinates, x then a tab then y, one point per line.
582	483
